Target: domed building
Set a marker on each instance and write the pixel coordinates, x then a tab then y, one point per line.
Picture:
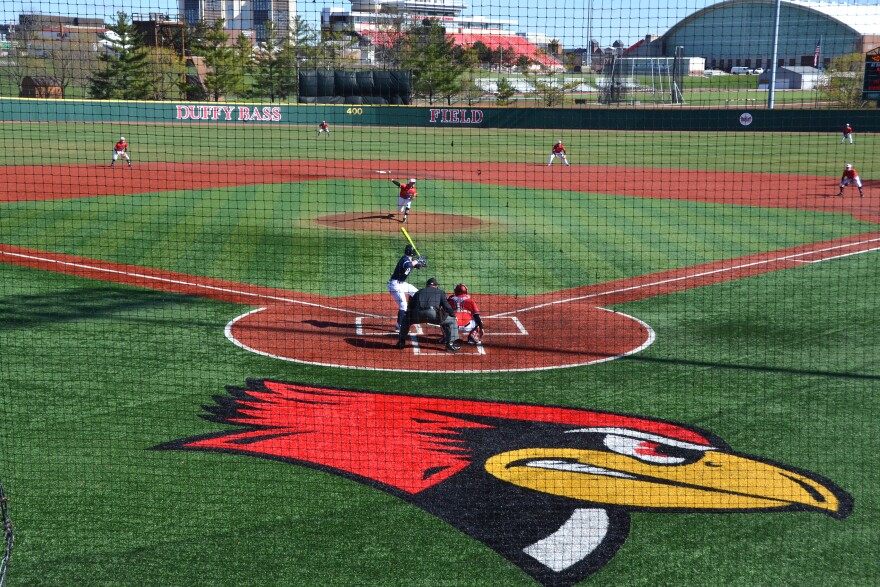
739	33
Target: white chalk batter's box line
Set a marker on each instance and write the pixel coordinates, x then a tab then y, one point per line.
360	326
519	330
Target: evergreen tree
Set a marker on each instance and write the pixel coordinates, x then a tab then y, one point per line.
243	54
505	91
429	54
224	77
275	70
127	74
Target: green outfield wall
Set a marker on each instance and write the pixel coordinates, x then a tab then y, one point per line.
610	118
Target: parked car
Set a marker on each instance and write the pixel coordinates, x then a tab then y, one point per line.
757	71
740	70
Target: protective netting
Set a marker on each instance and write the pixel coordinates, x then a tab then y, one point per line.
434	293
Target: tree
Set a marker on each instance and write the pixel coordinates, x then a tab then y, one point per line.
429	54
127	74
550	91
244	58
304	44
224	76
506	91
169	73
523	63
275	67
845	80
471	89
73	61
20	62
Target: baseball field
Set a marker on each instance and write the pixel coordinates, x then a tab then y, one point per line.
678	382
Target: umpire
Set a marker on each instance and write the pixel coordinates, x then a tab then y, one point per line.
430	305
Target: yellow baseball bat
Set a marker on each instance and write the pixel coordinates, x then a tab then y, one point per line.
409	238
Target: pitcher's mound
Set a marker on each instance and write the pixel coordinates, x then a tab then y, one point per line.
389	221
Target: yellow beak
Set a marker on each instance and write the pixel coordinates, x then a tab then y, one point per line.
718	481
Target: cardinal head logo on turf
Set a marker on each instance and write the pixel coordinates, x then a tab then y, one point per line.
549	488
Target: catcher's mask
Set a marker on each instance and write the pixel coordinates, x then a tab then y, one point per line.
460	289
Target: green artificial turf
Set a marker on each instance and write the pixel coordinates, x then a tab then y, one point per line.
95	375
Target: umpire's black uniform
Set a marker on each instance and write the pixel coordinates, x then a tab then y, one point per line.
430	305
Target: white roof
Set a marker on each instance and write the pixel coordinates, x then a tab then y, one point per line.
863	18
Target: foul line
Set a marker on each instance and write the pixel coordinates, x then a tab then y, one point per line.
704	274
181	282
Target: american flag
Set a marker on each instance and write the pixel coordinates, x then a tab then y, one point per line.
816	53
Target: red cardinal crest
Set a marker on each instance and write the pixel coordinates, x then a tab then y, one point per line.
549	488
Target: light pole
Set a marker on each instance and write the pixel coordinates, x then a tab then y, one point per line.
771	94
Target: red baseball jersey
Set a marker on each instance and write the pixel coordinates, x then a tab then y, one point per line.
851	173
847	129
560	148
121	145
465	308
408	191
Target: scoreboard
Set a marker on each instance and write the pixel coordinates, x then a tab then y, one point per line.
871	88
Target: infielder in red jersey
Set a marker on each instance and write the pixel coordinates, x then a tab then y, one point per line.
558	151
404	200
850	175
120	149
324	127
847	134
467	314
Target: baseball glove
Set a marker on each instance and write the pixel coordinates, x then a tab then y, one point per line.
421	262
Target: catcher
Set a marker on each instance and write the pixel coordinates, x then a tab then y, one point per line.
120	149
467	314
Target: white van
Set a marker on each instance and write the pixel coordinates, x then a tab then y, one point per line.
740	70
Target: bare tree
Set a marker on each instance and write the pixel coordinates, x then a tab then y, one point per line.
73	61
21	62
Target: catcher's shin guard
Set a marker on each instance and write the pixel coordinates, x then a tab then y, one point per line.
475	337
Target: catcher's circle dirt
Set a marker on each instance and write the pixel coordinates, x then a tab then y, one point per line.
518	337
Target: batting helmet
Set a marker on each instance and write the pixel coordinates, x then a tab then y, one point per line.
412	180
460	289
409	250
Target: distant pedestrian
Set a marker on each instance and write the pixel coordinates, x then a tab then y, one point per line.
850	175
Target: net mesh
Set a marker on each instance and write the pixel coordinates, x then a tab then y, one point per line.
435	293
